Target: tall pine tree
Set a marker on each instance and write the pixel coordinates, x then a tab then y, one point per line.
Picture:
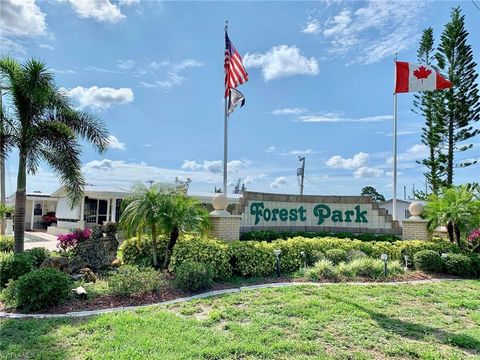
428	105
462	102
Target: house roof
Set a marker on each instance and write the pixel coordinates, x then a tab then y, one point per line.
398	200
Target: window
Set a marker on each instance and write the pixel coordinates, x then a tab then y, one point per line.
407	214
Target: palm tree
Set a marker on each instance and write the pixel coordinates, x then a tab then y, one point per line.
457	208
44	127
162	209
183	214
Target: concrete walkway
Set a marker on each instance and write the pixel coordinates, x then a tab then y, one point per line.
78	314
35	239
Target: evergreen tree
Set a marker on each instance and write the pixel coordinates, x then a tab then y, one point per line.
462	105
428	104
373	193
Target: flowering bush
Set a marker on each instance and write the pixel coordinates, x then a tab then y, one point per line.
474	240
69	241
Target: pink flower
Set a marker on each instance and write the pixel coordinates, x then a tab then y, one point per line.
474	235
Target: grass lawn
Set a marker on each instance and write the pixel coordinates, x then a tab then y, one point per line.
428	321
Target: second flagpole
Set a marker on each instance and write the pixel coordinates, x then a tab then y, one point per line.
225	136
394	203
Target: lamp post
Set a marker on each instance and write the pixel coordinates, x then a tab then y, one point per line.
406	257
384	257
277	253
304	258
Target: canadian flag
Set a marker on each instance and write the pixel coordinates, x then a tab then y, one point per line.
416	77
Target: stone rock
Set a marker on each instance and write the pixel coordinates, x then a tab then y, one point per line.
98	253
75	264
59	263
88	275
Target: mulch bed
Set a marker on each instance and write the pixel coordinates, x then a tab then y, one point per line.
169	292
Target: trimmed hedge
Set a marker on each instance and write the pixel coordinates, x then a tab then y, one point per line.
40	289
12	266
428	260
193	276
138	251
256	258
459	265
212	253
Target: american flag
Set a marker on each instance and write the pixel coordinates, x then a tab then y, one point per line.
235	73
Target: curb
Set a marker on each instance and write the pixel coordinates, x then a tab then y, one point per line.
78	314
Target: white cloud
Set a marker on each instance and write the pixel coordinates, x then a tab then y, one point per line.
21	18
100	98
172	78
128	2
99	10
334	117
46	46
365	172
338	162
215	166
415	152
279	182
298	152
114	143
289	111
373	31
270	149
282	60
62	71
125	64
312	27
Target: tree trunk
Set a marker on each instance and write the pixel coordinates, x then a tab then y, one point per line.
20	204
171	243
154	247
450	232
450	151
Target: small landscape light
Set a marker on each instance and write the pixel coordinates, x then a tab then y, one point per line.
406	257
444	256
384	257
277	253
304	258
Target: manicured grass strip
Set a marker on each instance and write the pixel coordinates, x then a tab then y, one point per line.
431	321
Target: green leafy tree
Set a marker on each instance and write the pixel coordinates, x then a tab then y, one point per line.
44	127
462	105
162	210
457	208
429	104
373	193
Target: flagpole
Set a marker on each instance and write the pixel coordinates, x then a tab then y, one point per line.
394	204
225	136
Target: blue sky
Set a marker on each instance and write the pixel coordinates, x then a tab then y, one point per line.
321	80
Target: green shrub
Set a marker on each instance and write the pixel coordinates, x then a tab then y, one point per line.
193	276
315	256
6	243
428	260
475	259
355	254
336	256
322	270
366	268
130	279
38	256
252	258
12	266
459	265
9	294
209	252
42	288
138	251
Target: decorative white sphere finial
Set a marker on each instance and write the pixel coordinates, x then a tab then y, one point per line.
220	204
416	209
